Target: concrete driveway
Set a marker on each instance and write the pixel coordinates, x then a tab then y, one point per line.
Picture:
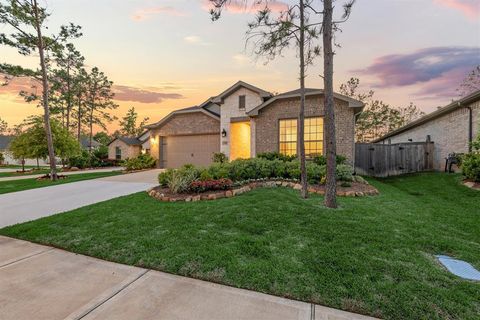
32	204
42	283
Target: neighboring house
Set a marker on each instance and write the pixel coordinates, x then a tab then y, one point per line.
85	142
244	121
4	145
122	148
451	128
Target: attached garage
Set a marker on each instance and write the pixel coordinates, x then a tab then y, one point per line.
187	136
192	149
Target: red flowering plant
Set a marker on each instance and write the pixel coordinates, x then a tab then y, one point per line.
199	186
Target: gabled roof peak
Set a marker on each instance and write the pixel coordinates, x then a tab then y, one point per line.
239	84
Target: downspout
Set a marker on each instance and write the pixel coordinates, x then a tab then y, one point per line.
470	127
355	118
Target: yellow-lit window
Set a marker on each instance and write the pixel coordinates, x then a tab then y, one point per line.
313	136
288	137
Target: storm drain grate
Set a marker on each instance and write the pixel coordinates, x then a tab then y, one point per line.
460	268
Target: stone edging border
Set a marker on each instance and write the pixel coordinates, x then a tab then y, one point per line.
254	185
471	185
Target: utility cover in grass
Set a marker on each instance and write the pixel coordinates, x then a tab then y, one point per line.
460	268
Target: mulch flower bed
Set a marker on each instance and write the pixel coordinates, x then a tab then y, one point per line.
355	190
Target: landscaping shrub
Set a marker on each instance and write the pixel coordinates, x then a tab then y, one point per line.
276	156
164	177
2	158
322	160
82	161
242	170
344	173
210	185
471	166
143	161
219	157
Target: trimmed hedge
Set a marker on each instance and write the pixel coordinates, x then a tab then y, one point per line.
143	161
251	169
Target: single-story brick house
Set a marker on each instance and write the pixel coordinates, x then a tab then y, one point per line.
244	121
451	128
122	148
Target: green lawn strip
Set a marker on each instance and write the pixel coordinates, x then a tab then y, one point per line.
21	174
25	184
373	256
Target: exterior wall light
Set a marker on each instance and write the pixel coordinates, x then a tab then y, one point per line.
224	133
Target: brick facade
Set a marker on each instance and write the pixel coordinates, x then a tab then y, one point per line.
193	123
267	123
128	151
449	133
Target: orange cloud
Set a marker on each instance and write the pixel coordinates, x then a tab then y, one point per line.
252	6
126	93
470	8
147	13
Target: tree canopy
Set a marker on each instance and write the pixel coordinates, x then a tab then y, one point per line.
129	126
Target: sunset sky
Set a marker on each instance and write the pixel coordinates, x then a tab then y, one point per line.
164	55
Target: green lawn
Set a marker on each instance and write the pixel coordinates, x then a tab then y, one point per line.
373	256
25	184
26	173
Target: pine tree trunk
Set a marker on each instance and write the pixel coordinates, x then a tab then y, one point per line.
331	183
46	116
301	117
69	98
79	116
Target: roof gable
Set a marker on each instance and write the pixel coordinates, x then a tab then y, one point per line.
240	84
193	109
352	103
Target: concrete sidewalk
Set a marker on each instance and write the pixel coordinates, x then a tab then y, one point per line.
32	204
69	173
38	282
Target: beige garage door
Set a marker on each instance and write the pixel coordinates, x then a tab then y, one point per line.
197	150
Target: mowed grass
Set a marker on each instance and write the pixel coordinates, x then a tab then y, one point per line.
26	184
374	255
26	173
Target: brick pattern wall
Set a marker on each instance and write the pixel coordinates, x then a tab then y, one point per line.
267	126
448	132
229	109
194	123
127	150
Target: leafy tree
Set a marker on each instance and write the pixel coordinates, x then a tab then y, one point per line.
128	124
20	148
471	83
98	101
378	117
102	137
3	126
27	20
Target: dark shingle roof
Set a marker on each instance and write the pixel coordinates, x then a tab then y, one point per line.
5	141
85	142
131	141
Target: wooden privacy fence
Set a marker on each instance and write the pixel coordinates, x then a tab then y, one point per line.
383	160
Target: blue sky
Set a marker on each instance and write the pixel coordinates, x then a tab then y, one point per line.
164	55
